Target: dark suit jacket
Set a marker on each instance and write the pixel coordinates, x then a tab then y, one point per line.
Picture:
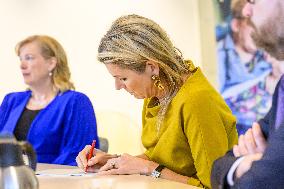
265	173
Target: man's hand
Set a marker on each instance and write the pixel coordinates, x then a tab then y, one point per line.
252	142
245	165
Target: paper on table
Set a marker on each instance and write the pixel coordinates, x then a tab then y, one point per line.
63	172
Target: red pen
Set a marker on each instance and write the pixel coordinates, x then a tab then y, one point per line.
90	155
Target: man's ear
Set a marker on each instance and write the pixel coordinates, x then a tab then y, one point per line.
52	63
235	25
152	68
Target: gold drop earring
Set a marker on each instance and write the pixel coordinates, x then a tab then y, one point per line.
157	82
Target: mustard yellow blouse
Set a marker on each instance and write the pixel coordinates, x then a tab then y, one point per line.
197	129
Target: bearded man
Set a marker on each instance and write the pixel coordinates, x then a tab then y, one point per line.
258	159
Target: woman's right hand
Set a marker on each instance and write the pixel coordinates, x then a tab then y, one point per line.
95	162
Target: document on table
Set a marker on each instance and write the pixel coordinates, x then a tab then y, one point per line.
63	173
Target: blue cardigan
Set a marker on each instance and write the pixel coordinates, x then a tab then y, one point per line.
59	131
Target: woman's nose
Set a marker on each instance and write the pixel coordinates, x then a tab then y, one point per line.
23	65
118	85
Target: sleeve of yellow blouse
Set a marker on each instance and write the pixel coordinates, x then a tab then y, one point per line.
204	125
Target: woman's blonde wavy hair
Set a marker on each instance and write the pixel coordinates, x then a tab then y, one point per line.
133	40
51	48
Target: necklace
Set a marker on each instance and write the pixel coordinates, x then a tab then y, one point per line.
40	102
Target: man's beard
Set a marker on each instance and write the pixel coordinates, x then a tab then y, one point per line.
270	35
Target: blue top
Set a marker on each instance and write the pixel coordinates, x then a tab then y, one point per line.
243	85
59	131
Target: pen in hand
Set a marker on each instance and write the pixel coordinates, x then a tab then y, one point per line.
90	155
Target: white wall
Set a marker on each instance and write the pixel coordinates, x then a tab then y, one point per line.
78	26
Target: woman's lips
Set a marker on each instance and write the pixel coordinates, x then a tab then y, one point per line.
25	74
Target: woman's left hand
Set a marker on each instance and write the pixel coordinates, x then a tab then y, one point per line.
126	164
